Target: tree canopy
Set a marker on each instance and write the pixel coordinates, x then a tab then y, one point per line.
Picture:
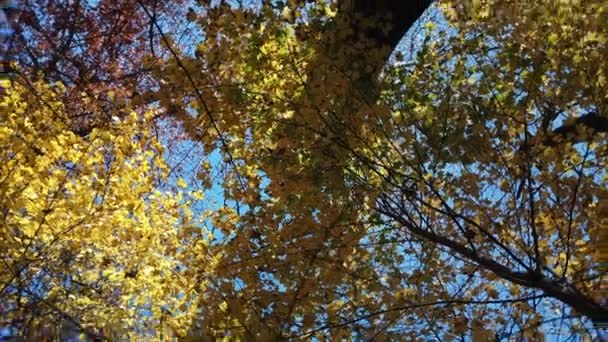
290	170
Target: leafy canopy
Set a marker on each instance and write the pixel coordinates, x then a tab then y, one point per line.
457	192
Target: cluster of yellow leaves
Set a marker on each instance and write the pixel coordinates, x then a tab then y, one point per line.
84	232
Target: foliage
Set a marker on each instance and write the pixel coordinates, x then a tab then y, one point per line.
475	157
85	235
455	193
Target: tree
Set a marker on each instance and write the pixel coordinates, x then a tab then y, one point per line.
487	154
87	238
95	47
454	193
